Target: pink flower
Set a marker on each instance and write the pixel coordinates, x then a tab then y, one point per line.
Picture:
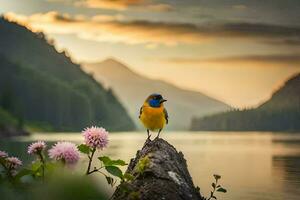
36	147
95	137
64	151
13	163
3	154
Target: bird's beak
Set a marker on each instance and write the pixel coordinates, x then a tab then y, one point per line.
163	100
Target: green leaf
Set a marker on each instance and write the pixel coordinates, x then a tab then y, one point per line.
213	185
222	190
109	162
106	160
118	162
51	166
84	149
36	166
115	171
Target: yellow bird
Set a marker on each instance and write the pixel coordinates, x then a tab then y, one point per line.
153	114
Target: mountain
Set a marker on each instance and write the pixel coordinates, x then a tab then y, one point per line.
280	113
45	88
132	89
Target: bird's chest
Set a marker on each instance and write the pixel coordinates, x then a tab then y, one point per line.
153	118
154	113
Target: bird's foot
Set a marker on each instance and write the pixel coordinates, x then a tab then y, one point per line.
149	137
157	137
148	133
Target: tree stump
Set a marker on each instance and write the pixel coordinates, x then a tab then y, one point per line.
158	172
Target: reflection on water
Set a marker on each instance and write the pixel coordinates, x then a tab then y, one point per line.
286	172
254	166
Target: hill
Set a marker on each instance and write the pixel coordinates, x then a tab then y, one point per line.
280	113
133	88
44	87
9	125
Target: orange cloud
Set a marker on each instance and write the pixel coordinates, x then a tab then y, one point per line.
112	29
115	29
140	5
109	4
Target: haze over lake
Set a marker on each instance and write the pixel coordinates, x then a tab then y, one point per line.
253	165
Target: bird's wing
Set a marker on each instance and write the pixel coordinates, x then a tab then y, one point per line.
141	110
166	115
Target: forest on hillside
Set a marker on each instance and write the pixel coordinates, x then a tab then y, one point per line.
43	88
280	113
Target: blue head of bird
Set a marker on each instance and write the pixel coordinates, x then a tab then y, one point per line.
155	100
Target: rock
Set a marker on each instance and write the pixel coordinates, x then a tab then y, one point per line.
158	172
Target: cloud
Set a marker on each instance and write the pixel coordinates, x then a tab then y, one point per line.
120	5
109	4
286	59
116	29
102	18
161	7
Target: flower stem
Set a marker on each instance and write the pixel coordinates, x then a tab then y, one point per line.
212	194
96	170
90	161
43	164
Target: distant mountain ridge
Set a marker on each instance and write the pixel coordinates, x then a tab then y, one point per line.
287	97
280	113
42	86
133	88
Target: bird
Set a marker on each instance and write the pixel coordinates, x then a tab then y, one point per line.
153	114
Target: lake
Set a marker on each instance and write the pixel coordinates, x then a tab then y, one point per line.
253	165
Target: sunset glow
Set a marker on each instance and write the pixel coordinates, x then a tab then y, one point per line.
236	52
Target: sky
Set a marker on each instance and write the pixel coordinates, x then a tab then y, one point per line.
238	51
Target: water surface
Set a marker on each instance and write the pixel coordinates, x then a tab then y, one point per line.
253	165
